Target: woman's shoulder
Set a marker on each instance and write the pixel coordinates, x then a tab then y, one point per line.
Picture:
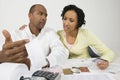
83	30
60	32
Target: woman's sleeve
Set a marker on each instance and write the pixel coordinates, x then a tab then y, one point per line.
105	52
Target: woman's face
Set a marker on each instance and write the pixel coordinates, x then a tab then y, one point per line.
70	21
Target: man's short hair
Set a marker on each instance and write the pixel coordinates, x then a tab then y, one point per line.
32	9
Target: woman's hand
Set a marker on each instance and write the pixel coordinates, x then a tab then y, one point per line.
103	64
22	27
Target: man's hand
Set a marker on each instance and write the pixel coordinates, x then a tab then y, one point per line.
14	51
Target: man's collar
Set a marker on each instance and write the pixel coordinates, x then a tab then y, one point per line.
29	32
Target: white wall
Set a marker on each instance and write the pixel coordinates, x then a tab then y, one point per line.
102	16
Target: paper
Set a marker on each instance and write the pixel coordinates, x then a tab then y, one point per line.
13	71
87	76
112	68
78	63
36	54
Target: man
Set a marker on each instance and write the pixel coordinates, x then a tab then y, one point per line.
17	47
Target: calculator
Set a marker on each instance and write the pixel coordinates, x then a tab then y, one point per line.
46	75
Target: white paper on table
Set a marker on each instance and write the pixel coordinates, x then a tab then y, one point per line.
78	63
13	71
113	68
88	76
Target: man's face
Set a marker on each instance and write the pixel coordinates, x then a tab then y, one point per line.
38	17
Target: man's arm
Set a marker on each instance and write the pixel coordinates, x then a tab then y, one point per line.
59	54
14	51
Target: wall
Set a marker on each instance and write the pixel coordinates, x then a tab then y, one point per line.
102	16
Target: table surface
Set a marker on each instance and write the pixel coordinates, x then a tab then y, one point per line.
113	68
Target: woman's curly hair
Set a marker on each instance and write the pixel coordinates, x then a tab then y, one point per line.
80	14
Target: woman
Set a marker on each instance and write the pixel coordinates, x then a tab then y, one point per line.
77	39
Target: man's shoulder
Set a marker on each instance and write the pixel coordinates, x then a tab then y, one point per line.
25	29
17	31
18	34
49	31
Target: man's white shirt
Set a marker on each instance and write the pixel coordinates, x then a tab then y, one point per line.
46	45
